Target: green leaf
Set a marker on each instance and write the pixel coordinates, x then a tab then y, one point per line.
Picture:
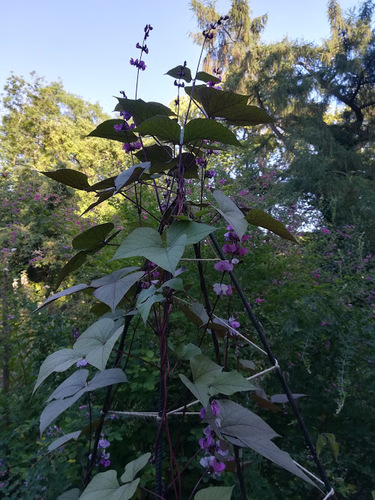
215	493
106	486
76	382
229	383
262	219
141	110
243	428
97	342
104	184
132	468
72	265
206	77
103	196
187	351
231	213
72	494
156	153
217	103
106	130
92	237
193	231
57	362
145	307
176	73
196	313
331	439
174	283
247	364
69	177
204	370
62	440
113	277
147	242
112	293
200	391
72	389
54	409
161	127
63	293
232	107
131	175
200	129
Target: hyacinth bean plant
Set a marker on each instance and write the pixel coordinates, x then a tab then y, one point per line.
162	274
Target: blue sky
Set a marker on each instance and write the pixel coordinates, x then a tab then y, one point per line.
87	44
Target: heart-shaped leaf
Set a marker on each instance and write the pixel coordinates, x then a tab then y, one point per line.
146	242
112	293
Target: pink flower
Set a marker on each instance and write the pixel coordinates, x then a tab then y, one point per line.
323	323
325	230
259	301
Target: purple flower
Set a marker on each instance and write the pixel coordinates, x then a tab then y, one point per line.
125	114
203	412
130	147
223	265
215	408
103	443
325	230
82	362
214	467
221	289
234	323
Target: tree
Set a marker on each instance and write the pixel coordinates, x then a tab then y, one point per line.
322	98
